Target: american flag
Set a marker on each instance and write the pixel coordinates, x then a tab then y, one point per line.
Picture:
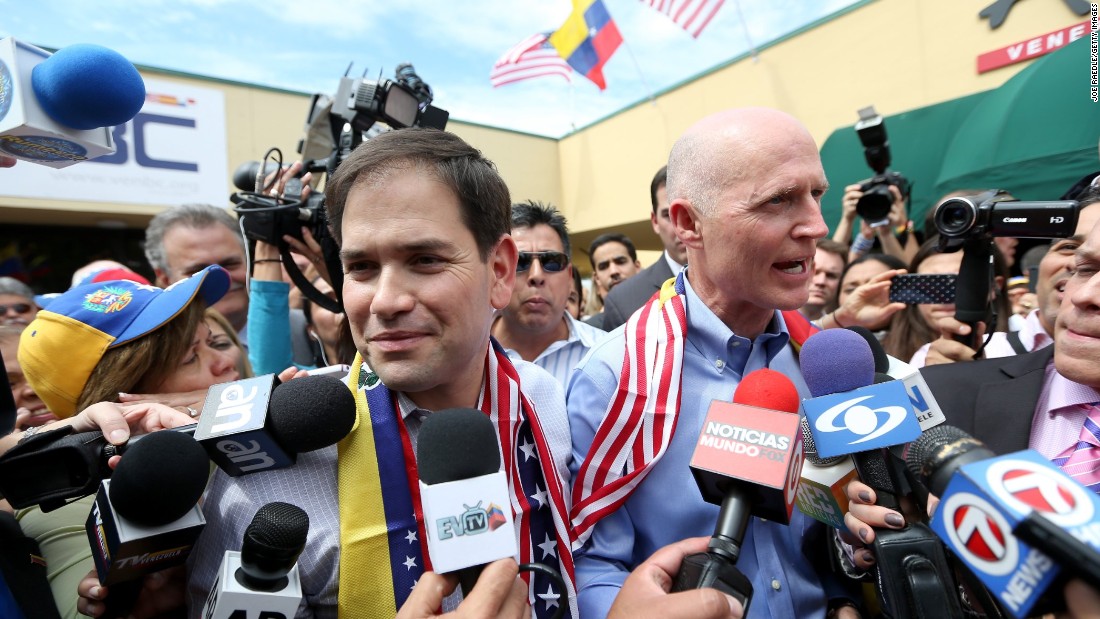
531	57
691	15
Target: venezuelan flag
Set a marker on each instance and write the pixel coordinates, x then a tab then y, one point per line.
587	39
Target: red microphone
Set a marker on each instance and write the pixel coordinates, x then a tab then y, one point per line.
748	460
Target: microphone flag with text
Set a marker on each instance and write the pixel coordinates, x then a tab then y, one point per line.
1019	523
748	459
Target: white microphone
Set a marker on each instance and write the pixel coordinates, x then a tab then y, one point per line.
464	494
262	579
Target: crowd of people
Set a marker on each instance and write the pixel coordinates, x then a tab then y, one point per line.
456	295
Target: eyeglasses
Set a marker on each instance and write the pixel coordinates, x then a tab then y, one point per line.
551	261
20	308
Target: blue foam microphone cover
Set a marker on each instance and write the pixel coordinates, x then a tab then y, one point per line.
87	87
835	361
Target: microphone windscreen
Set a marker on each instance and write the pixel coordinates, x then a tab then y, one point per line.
882	362
881	377
766	388
836	361
277	527
454	444
87	86
159	478
809	447
311	412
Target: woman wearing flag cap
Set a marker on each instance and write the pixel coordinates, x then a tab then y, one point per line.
95	341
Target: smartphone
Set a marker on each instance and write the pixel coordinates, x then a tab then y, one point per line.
914	289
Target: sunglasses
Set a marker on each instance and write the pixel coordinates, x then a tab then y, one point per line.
551	261
19	308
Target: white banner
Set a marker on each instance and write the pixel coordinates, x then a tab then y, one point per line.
172	152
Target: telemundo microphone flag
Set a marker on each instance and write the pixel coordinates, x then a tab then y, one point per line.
532	57
587	39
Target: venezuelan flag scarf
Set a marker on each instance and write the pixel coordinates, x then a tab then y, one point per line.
641	417
383	547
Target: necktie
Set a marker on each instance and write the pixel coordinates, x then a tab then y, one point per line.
1082	461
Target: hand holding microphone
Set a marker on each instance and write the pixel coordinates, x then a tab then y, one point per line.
646	592
498	593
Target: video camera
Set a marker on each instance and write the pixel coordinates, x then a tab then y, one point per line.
875	203
334	127
995	213
971	222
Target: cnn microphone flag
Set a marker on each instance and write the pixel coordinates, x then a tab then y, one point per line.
530	58
691	15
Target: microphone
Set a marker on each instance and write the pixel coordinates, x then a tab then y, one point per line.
255	424
924	402
146	518
53	466
747	459
57	110
262	579
821	489
464	494
1016	521
847	407
856	411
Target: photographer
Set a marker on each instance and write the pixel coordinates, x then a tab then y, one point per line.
895	234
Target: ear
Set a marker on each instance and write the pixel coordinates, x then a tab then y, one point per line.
161	279
686	221
502	271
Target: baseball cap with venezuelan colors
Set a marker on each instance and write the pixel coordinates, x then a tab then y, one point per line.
64	343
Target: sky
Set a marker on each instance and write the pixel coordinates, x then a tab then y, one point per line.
306	45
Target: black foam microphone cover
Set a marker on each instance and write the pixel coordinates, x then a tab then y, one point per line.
939	452
273	541
159	478
311	412
882	362
456	443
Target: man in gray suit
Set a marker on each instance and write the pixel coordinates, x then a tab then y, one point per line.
627	297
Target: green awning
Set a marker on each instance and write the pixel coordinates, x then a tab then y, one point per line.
1035	136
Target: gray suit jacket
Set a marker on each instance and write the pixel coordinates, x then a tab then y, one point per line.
627	297
993	400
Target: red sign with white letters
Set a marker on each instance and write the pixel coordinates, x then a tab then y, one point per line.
1031	48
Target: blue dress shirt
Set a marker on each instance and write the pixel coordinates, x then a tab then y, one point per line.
786	564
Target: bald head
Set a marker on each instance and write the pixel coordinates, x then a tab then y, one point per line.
712	153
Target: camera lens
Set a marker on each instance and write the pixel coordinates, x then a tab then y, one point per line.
874	205
955	217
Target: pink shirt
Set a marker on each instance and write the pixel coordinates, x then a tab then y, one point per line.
1033	336
1058	418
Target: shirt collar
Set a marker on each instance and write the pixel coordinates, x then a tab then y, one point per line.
672	264
715	341
1063	394
1032	335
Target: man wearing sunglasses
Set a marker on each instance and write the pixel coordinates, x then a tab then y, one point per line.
535	326
17	306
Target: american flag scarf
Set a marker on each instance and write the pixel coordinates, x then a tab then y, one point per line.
641	418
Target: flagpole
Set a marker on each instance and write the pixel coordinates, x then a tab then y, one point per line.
745	27
638	67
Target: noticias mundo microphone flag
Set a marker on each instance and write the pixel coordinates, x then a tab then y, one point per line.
587	39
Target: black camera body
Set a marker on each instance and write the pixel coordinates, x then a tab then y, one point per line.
269	219
875	203
988	214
